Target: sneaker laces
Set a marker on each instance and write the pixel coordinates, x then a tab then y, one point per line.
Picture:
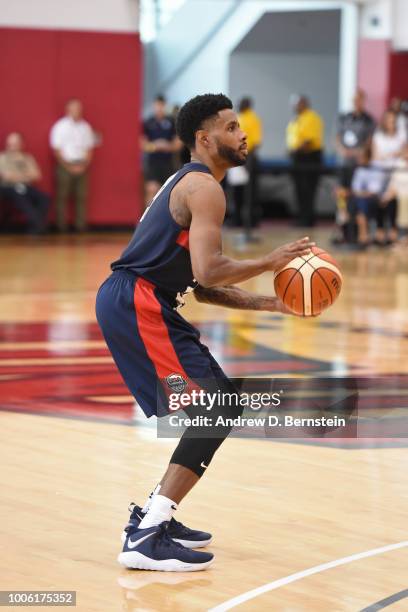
164	537
177	525
173	524
136	515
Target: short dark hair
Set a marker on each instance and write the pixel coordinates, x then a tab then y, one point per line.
245	104
194	112
160	98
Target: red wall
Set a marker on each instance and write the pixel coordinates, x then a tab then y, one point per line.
382	73
374	73
41	69
399	75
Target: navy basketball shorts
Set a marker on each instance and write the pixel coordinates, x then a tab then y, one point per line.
151	344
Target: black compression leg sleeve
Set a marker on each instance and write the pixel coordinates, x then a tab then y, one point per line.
198	444
195	453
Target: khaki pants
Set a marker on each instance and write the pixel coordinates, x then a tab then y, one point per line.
67	184
402	215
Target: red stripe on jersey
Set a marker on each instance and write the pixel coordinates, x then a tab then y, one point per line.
182	239
155	336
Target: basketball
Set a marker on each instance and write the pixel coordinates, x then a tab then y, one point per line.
308	285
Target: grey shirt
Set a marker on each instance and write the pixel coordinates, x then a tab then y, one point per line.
354	131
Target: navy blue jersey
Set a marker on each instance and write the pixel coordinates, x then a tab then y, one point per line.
159	129
159	248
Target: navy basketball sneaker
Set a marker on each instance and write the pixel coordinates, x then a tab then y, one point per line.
190	538
154	549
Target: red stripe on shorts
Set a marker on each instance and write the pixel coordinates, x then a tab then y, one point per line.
155	335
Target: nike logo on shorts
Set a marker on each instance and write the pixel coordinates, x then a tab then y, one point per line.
203	465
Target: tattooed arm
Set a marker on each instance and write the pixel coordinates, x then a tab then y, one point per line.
234	297
206	204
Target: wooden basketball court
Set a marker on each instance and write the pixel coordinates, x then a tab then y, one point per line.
297	527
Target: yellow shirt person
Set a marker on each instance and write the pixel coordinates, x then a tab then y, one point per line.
244	179
304	139
250	123
305	131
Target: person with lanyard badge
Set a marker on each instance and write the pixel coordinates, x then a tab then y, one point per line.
354	133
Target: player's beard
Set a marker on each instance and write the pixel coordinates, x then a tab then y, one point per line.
231	155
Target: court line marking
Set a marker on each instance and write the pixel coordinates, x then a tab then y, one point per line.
384	603
276	584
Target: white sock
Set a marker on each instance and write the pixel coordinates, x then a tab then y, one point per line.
161	509
150	498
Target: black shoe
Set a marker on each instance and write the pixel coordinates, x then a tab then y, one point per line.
190	538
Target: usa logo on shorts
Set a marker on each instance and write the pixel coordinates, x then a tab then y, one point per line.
176	382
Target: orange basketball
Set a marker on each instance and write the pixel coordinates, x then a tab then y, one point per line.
309	284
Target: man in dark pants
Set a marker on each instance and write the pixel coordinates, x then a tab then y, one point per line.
159	143
18	170
245	194
304	140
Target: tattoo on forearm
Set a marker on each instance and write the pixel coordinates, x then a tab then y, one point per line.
231	297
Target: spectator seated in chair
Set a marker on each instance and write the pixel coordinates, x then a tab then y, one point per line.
395	201
367	187
18	170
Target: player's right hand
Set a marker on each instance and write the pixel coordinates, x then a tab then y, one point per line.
281	256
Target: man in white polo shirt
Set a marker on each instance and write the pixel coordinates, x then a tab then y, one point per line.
72	141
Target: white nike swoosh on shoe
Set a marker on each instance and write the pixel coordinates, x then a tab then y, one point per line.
203	465
133	545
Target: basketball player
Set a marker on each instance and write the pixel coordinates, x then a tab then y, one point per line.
177	247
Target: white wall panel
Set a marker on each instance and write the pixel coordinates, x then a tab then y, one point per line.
97	15
400	24
376	20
